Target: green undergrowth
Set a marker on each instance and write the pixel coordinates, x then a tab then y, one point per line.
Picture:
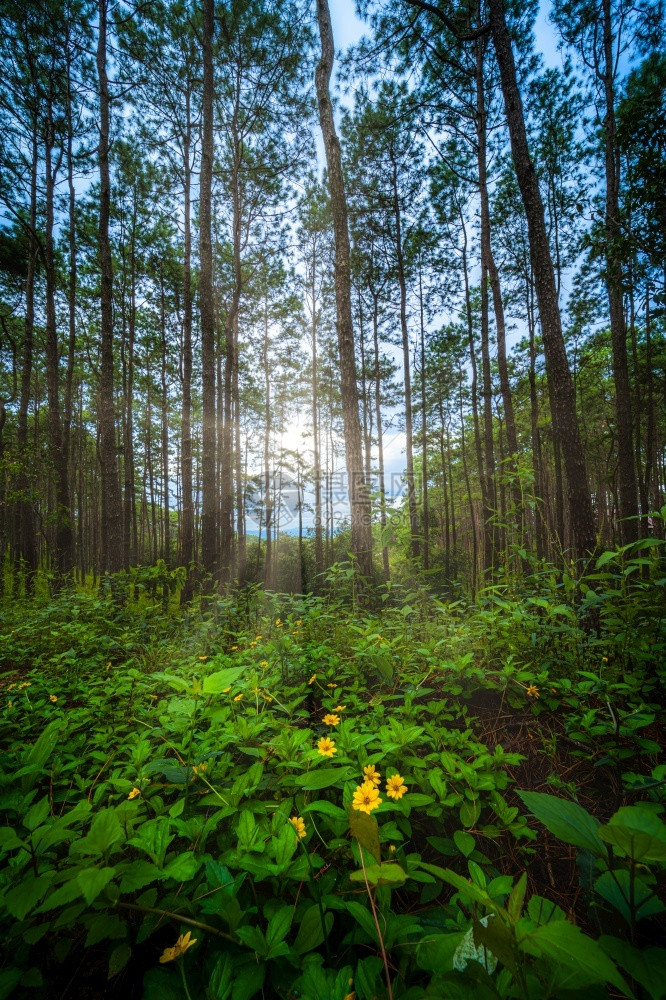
152	762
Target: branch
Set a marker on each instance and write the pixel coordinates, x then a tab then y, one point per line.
467	36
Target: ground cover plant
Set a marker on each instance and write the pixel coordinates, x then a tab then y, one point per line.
311	798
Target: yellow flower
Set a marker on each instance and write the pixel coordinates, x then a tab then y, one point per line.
326	747
258	637
396	787
263	664
184	942
372	774
10	686
239	697
53	698
199	768
234	648
226	690
299	621
265	696
533	691
331	685
366	797
252	645
312	679
298	824
133	794
10	704
331	720
339	708
108	667
278	623
202	659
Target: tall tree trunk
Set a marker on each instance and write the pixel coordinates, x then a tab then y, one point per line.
164	428
269	582
241	550
27	547
187	529
493	275
209	499
112	515
424	435
318	527
68	401
474	386
62	555
557	366
380	436
628	499
230	366
409	431
359	495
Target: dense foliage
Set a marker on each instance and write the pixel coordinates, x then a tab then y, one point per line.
166	774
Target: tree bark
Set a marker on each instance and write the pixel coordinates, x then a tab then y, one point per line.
628	499
112	516
209	499
187	524
557	365
359	496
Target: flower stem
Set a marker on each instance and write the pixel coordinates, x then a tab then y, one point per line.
379	933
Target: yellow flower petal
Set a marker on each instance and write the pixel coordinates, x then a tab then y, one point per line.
326	747
396	787
366	797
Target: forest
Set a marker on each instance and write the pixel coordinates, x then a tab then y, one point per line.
332	499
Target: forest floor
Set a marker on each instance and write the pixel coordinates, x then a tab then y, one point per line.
152	762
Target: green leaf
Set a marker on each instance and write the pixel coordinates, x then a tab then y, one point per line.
615	888
366	976
138	874
221	679
363	917
647	966
497	939
284	845
464	842
567	945
541	910
565	820
36	815
467	889
326	809
25	896
35	758
469	812
104	834
248	980
310	933
92	880
9	841
183	867
154	838
637	832
318	778
278	926
222	977
118	959
387	873
9	980
516	899
364	828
